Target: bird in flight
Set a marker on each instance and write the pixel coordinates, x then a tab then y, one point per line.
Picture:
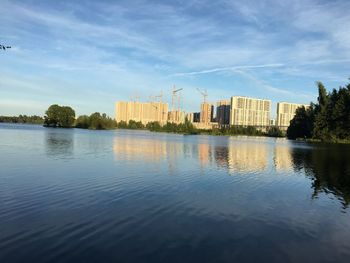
4	47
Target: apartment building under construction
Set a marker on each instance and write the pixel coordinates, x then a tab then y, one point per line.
223	109
207	112
286	112
176	116
144	112
250	111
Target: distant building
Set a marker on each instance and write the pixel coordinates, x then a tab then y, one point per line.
250	111
286	112
272	122
144	112
196	116
176	116
207	112
189	116
223	109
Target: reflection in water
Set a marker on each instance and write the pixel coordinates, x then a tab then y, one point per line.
329	166
139	149
221	156
59	143
168	198
247	156
204	153
283	157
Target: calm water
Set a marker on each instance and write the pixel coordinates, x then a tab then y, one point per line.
132	196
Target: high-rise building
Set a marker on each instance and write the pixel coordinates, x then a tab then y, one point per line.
176	116
190	116
223	109
286	112
250	111
196	116
144	112
207	112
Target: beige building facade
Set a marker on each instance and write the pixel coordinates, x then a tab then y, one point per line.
144	112
286	112
176	116
207	111
250	111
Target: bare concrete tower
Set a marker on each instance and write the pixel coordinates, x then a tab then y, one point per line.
144	112
207	111
223	109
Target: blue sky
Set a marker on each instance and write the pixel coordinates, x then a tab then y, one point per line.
89	54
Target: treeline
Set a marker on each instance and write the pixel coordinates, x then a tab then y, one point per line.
186	128
22	119
328	120
95	121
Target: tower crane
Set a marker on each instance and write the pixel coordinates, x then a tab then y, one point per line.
174	94
135	98
204	94
160	96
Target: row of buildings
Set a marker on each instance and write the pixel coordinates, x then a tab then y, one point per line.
238	111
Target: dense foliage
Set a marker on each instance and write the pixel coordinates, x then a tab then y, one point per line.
131	125
274	131
327	120
186	128
59	116
95	121
22	119
302	125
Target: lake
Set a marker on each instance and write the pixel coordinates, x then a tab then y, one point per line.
70	195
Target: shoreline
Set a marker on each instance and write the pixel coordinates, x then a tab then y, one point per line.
200	132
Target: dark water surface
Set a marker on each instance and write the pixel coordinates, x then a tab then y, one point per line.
69	195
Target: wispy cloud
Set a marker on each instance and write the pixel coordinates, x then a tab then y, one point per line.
214	70
124	47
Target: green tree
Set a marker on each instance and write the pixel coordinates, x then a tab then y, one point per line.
301	126
321	119
95	121
59	116
82	122
274	131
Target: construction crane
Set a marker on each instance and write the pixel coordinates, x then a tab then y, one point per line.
160	96
135	98
174	94
204	94
154	98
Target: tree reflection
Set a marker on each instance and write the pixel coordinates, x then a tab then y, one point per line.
328	166
59	143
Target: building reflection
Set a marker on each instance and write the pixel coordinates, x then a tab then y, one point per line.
221	155
204	154
283	157
247	156
242	155
129	148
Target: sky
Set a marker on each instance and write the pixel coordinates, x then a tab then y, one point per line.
90	54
